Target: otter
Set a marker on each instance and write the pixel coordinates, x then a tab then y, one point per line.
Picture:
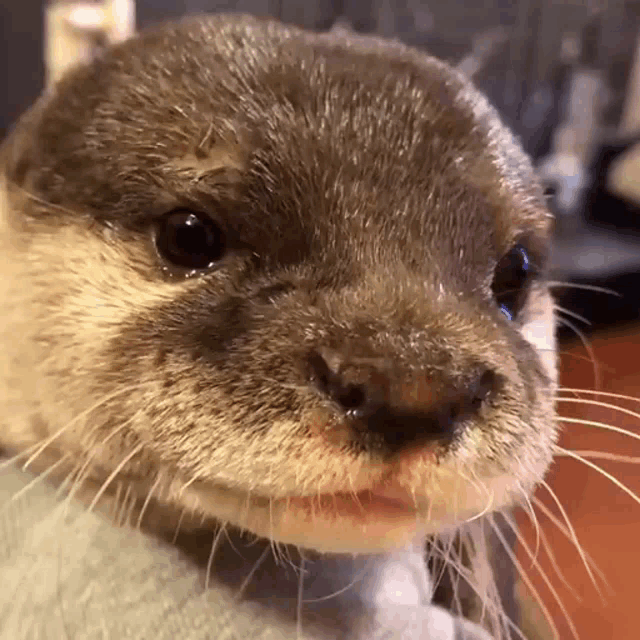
280	299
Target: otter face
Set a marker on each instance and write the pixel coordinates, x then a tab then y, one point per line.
294	282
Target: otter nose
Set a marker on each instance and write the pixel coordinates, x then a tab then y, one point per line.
388	411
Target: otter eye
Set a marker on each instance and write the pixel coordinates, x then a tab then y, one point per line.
511	276
189	240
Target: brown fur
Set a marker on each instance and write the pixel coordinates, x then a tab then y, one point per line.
367	191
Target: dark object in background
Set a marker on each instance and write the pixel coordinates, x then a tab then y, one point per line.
607	217
21	57
604	209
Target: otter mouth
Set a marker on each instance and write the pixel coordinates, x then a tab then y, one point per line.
369	520
341	521
360	506
379	518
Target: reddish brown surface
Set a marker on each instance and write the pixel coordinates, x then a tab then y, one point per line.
607	521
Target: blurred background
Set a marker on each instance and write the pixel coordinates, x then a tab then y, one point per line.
565	74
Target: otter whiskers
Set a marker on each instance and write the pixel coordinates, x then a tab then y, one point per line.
524	576
548	549
533	517
600	470
565	531
572	531
557	284
543	575
605	455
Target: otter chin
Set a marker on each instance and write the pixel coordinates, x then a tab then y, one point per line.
288	282
387	516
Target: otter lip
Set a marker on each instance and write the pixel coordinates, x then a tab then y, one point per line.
363	504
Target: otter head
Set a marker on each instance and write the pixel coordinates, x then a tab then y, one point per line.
293	282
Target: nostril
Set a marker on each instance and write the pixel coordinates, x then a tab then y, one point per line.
351	397
319	373
483	387
348	395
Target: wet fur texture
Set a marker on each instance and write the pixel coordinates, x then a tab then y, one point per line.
367	192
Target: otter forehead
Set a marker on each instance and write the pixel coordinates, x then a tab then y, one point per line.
259	123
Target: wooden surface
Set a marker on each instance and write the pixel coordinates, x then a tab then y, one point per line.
605	518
